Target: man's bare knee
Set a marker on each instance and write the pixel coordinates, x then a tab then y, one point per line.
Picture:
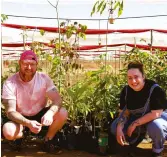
63	114
12	130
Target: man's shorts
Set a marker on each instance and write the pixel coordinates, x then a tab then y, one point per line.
38	116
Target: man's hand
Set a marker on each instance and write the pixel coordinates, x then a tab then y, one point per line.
47	119
55	97
120	136
34	126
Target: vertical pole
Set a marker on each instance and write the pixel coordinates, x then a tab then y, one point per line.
1	55
135	42
119	59
58	23
99	37
24	38
125	52
115	62
151	40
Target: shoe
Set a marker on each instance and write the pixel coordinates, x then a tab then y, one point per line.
50	147
20	143
17	144
154	154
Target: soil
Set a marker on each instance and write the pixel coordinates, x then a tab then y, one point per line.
32	150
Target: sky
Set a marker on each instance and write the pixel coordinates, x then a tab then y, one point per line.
81	9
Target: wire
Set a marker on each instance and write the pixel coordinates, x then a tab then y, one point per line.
120	18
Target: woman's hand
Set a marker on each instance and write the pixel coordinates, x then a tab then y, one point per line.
120	136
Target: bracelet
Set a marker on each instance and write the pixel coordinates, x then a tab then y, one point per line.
54	110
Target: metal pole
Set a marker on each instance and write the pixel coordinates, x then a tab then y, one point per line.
151	40
115	62
125	52
119	59
24	39
1	55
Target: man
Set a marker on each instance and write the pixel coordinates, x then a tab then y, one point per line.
25	96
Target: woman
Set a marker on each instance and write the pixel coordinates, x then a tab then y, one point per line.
133	104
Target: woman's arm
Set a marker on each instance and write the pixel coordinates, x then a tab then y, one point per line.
119	132
123	119
154	114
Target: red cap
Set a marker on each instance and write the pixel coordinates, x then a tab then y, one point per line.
28	55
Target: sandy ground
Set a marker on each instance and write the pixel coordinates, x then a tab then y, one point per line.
32	150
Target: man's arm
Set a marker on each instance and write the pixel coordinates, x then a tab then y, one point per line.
55	97
12	114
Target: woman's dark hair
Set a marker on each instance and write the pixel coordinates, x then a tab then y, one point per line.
136	65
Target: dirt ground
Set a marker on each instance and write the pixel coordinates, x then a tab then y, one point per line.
32	150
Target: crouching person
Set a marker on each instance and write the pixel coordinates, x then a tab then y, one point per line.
142	106
25	96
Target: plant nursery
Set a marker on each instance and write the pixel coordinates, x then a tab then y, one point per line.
85	48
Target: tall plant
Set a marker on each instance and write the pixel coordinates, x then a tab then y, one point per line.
65	62
96	93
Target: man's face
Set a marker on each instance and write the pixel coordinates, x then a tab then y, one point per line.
135	79
28	67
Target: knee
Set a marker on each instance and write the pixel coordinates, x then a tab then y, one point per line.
155	128
164	115
63	114
10	130
113	127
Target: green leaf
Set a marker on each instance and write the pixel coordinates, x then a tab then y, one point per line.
94	8
84	37
83	28
62	24
122	5
119	12
42	32
68	34
3	17
103	7
70	92
100	5
116	5
49	57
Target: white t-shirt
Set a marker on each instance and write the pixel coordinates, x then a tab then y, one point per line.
30	96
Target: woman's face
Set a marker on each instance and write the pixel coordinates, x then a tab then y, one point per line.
135	79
